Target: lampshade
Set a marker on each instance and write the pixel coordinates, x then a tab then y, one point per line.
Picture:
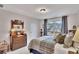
76	36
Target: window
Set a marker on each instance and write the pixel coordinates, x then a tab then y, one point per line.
54	25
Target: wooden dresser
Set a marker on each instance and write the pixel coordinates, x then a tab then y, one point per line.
17	41
18	38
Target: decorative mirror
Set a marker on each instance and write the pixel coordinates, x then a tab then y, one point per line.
17	25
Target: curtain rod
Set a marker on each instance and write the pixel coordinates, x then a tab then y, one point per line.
53	17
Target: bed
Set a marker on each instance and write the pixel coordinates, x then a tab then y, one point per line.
42	45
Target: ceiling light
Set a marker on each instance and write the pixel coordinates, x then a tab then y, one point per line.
42	10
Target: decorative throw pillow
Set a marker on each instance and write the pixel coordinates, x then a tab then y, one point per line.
68	41
60	39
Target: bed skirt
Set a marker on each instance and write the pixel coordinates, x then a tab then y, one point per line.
34	51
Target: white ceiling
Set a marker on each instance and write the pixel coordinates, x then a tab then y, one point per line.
55	10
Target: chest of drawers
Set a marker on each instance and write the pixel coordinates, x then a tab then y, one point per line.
18	41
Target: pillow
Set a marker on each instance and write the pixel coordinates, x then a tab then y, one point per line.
68	41
60	39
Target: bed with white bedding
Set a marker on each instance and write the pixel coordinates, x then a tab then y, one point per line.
43	45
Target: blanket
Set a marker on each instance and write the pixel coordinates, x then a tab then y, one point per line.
45	46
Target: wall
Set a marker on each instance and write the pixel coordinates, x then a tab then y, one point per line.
73	20
5	19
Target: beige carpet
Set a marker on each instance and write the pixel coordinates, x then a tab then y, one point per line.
23	50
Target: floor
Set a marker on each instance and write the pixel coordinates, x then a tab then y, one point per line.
23	50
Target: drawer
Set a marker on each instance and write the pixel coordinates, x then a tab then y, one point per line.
15	46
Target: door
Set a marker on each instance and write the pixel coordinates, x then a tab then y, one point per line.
33	30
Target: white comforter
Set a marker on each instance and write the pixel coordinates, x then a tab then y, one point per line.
59	49
43	44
